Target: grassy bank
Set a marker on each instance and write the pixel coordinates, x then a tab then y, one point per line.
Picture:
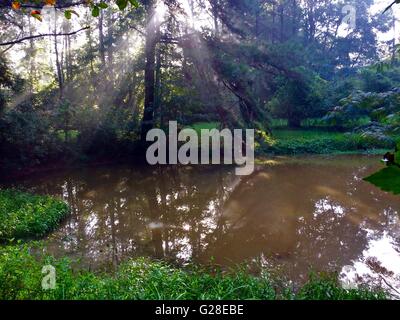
23	215
290	142
21	277
311	140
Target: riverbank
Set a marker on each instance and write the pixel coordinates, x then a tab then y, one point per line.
141	279
21	268
317	141
282	141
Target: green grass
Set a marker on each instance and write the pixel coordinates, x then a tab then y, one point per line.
315	122
21	277
387	179
287	134
277	123
23	215
325	287
310	140
198	126
315	141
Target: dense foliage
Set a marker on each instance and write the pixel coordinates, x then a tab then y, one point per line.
23	215
143	63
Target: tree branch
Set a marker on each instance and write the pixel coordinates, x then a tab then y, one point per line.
42	35
12	45
67	4
390	6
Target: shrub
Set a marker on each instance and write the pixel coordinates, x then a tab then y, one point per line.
26	138
23	215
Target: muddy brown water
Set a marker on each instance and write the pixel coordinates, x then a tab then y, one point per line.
292	215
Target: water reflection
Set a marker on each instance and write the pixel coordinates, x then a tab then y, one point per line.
297	214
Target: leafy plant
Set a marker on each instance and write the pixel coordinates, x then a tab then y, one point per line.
23	215
325	286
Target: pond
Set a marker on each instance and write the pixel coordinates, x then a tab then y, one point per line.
292	215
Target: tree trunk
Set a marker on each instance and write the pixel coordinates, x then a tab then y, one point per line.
110	41
157	99
273	29
92	73
60	78
394	48
281	19
32	58
294	18
214	9
149	72
101	40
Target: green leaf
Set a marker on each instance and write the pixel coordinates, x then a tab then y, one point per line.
388	179
95	11
122	4
68	14
103	5
134	3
